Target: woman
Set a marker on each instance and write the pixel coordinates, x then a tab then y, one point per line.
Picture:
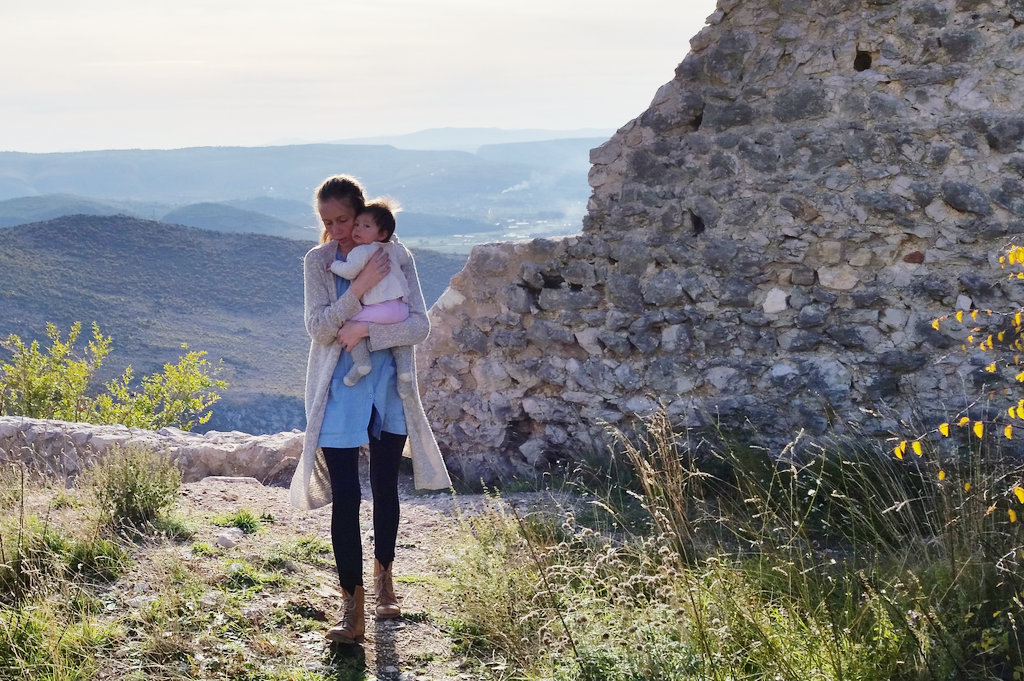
341	418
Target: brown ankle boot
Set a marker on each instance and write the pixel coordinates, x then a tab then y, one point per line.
352	625
384	590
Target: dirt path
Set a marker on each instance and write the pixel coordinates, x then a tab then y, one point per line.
411	647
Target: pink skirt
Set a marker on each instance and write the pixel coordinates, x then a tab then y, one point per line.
388	312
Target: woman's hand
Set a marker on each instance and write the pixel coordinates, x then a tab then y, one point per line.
351	333
375	269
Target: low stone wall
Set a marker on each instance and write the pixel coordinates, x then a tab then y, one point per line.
64	449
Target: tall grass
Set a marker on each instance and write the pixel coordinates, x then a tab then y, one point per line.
49	627
827	561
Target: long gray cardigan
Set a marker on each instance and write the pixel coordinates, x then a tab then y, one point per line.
325	313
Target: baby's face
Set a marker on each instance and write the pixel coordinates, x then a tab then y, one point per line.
365	230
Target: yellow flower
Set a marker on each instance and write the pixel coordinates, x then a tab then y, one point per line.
942	475
967	487
991	368
944	429
1008	432
1013	515
979	428
899	449
964	421
916	446
1012	411
960	316
1019	491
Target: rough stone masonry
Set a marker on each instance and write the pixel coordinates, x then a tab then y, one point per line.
766	245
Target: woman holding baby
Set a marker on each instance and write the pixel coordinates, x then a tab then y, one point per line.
349	404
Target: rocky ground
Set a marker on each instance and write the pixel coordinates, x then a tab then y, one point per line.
220	603
412	647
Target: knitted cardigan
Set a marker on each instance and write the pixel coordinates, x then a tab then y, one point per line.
325	313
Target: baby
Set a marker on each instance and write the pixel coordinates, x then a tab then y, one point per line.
382	304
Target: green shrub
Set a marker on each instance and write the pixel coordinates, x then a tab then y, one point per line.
132	486
202	548
56	384
243	519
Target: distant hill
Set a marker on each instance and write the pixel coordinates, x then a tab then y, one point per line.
473	139
152	286
40	207
224	218
23	209
294	212
480	187
275	217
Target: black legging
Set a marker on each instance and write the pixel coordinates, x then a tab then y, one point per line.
343	466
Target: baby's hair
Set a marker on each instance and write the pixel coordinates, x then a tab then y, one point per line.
383	210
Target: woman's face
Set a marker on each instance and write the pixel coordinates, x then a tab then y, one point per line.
338	218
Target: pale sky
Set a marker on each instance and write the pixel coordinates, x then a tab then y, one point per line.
117	74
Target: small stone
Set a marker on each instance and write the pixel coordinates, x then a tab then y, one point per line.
230	538
841	278
775	301
965	198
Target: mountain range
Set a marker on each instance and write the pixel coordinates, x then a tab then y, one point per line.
203	245
152	286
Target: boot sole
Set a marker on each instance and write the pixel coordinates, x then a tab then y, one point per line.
347	640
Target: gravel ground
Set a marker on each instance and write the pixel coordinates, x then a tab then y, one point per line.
411	647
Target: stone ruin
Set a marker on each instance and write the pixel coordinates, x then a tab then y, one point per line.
766	246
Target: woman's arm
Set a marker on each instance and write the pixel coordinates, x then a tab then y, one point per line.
416	327
323	314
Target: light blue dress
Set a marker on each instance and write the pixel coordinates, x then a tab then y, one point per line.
349	408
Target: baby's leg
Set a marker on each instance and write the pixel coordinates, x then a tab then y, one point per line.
360	363
406	367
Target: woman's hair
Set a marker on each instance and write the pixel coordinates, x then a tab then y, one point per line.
383	210
344	188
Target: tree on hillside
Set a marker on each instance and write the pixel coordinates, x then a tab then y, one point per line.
55	384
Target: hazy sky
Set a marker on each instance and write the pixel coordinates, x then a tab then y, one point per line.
116	74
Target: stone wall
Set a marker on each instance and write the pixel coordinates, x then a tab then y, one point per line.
64	449
765	246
